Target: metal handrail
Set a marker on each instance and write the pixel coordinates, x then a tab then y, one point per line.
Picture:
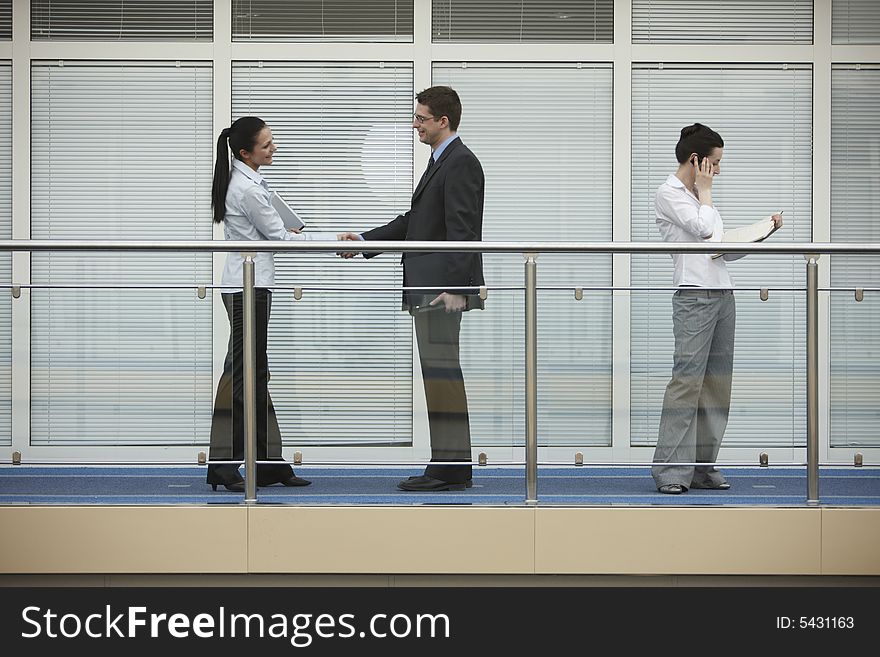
530	250
218	246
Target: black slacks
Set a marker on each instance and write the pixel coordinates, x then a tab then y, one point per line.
227	422
437	334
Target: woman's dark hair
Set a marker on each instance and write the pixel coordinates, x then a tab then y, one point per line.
699	139
242	134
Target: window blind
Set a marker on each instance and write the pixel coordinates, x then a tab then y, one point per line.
6	19
342	361
855	217
546	181
855	21
122	20
523	21
709	21
121	150
6	257
763	113
322	20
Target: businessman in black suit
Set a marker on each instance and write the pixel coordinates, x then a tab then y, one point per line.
447	204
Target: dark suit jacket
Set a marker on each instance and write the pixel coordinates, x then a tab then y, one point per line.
447	205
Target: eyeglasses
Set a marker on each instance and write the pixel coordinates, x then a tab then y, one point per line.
418	118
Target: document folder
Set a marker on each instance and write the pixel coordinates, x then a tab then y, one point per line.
756	232
288	216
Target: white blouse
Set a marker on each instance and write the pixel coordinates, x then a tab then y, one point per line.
682	218
250	216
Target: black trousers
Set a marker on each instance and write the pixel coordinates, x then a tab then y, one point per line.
437	334
227	422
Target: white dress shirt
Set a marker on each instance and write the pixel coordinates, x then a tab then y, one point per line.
250	216
682	218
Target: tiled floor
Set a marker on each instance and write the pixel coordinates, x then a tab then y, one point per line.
22	485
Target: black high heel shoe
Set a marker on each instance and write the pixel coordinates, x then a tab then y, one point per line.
234	486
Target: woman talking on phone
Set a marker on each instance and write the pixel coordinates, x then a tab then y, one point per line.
696	403
241	199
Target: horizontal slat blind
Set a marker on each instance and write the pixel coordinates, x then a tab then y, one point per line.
5	19
341	360
763	113
322	20
855	217
549	182
518	21
710	21
121	150
6	258
855	21
122	20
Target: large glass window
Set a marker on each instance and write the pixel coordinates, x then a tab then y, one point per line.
122	20
121	150
549	178
342	365
710	21
322	20
5	19
855	21
855	217
764	115
516	21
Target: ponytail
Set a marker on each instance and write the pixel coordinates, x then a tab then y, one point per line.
241	135
221	177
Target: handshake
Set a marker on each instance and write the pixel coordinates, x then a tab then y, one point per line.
444	301
352	237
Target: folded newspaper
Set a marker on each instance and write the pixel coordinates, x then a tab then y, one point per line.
288	216
756	232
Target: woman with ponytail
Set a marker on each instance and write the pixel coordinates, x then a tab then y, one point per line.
241	200
696	404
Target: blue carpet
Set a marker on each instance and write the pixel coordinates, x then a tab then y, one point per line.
23	485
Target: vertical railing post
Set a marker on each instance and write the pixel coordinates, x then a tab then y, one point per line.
812	378
250	379
531	318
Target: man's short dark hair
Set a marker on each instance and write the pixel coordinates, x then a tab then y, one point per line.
442	101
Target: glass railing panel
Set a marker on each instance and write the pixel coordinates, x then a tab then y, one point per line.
764	422
574	369
119	368
854	367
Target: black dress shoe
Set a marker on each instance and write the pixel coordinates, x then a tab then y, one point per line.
429	484
724	485
234	486
292	480
468	484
